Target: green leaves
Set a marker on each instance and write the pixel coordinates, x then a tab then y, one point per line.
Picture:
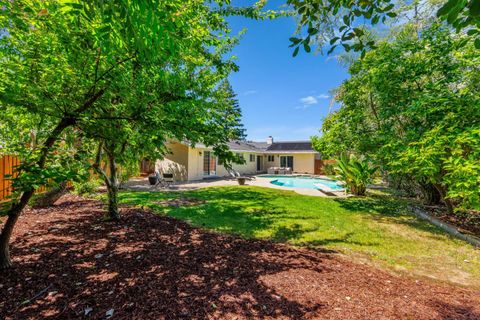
474	8
333	40
133	73
404	109
295	52
355	172
462	14
325	18
295	40
306	46
450	6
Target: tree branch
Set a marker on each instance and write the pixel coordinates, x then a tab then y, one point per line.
103	75
89	102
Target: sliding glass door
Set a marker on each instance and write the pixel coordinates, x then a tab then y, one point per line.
286	162
259	163
209	164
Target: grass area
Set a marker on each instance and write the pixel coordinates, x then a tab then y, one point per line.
377	228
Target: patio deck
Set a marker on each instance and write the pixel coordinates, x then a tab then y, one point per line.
141	184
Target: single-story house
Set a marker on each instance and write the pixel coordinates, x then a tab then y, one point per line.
189	163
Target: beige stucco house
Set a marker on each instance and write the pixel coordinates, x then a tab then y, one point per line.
189	163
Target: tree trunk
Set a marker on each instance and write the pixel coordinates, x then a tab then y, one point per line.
443	194
17	207
110	181
430	193
49	198
112	188
113	213
13	214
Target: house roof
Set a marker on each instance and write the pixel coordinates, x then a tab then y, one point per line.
291	146
275	147
264	147
239	145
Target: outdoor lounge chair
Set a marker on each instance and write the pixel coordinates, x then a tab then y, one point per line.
275	170
237	175
164	180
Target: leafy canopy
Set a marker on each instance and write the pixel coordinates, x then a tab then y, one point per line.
70	65
344	22
412	106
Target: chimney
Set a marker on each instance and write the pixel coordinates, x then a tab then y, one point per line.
269	140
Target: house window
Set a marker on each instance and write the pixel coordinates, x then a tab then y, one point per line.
286	162
271	158
252	158
240	155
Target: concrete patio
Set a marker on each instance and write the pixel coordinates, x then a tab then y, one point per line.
141	184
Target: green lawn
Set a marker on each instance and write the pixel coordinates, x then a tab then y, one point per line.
377	229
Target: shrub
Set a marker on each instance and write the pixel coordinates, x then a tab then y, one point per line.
356	173
329	169
86	188
128	170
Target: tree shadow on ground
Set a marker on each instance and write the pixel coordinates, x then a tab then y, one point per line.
450	311
387	209
241	211
149	267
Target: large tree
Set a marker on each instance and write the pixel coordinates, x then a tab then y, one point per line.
412	106
62	61
158	105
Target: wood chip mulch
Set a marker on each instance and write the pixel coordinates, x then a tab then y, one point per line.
70	264
466	221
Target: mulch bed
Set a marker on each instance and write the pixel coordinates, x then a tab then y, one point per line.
70	264
466	221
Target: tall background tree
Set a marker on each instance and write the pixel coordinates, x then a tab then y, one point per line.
411	106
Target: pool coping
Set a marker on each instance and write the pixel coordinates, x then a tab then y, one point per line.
142	184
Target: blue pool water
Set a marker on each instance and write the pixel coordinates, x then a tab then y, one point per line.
303	182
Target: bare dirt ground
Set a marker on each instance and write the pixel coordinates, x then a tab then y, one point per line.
70	264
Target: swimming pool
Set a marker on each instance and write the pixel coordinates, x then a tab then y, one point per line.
304	182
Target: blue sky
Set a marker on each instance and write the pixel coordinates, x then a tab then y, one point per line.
280	95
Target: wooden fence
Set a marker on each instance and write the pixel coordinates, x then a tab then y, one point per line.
8	164
7	169
319	164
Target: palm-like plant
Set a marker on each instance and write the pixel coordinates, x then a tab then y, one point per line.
355	172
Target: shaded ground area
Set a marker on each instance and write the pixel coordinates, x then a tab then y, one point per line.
380	230
69	262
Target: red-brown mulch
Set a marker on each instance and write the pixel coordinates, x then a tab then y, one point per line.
466	221
69	263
